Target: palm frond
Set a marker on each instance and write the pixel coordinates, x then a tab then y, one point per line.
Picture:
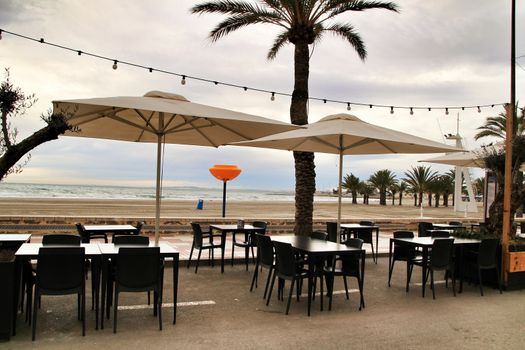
278	43
346	31
233	23
337	7
226	7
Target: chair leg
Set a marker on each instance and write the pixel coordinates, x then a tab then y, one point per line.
331	279
271	288
346	288
390	270
361	296
432	284
83	311
480	281
254	278
268	281
290	296
115	307
191	253
160	308
198	260
409	275
454	282
35	312
233	245
374	258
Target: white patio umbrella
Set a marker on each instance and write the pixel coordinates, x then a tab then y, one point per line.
345	134
160	117
462	159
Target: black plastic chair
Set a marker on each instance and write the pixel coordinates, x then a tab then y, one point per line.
87	237
487	259
265	259
248	242
367	236
287	270
60	271
199	243
455	223
331	230
321	235
139	269
401	252
138	227
350	267
61	239
422	228
440	260
440	234
130	240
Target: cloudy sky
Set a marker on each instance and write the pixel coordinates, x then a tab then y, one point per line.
433	53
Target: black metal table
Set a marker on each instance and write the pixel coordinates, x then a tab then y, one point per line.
29	251
315	249
109	250
224	229
425	243
109	229
355	228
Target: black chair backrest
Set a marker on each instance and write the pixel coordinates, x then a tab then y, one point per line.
522	227
422	228
60	268
442	250
319	235
403	234
331	229
366	223
350	264
265	249
487	255
285	258
138	227
130	240
440	234
455	223
61	239
82	232
138	267
260	224
197	234
354	243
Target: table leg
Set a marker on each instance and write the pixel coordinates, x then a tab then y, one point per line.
362	298
104	270
377	244
391	243
310	283
424	270
175	285
460	269
223	248
95	276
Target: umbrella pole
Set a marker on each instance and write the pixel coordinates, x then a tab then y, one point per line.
157	192
340	194
224	199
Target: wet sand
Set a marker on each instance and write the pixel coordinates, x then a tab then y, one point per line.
29	207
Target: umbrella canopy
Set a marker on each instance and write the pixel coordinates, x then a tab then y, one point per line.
346	134
160	117
462	159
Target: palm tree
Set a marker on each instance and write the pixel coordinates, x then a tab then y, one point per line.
382	180
302	23
418	178
394	188
351	183
479	185
496	126
366	190
402	187
447	187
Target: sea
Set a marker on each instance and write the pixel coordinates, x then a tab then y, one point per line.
19	190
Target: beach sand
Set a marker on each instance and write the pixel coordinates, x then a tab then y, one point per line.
20	207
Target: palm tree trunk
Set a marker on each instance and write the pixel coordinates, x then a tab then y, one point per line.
430	199
400	198
354	197
304	161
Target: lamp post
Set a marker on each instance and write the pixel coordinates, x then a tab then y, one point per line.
224	173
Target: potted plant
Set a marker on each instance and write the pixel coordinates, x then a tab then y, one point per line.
7	275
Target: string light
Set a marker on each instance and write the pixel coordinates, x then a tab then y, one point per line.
348	108
245	88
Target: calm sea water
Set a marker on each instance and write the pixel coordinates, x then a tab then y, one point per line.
14	190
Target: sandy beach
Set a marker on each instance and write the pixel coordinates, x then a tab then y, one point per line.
20	207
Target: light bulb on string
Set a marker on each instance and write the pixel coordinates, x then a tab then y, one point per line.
79	52
183	80
446	111
324	101
273	97
115	64
391	109
411	111
429	109
0	34
150	70
348	108
479	109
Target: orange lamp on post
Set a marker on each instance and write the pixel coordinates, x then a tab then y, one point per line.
224	173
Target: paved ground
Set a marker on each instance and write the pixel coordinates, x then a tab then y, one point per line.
218	311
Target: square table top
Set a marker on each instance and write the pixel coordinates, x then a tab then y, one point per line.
311	245
30	250
107	228
357	226
234	227
112	249
15	237
447	226
428	241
